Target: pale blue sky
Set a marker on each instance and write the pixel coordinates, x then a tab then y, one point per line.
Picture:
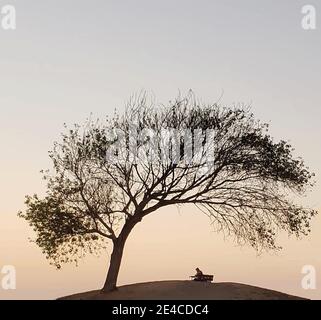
68	59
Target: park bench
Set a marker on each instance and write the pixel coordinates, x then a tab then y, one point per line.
204	278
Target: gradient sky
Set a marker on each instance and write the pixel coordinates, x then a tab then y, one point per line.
68	59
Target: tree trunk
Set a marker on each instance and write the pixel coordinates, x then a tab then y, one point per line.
114	266
116	257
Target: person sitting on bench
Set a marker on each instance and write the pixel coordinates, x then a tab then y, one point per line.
199	275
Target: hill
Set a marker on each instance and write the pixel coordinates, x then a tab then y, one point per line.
184	290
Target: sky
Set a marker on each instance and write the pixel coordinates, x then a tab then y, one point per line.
68	59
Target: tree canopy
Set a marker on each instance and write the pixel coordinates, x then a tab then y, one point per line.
108	175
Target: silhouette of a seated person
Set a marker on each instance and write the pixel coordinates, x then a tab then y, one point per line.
199	275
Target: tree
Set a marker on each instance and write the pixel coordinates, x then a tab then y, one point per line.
109	175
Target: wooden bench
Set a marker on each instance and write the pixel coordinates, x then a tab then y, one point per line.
203	278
